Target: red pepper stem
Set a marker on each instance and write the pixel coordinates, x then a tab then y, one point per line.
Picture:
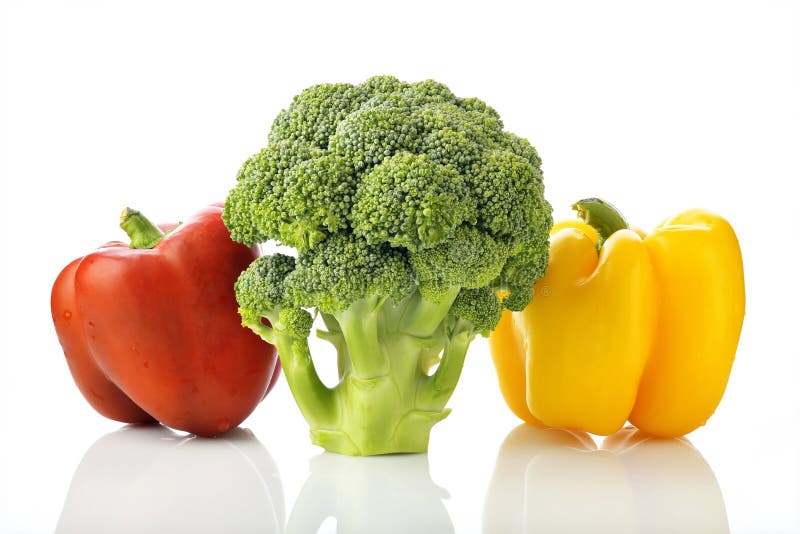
143	233
602	215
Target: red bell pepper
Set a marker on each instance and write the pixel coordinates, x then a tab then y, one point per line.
151	331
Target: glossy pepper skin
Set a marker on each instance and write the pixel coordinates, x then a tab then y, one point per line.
626	326
697	265
152	333
587	335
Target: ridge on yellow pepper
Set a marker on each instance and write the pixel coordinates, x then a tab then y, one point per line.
626	325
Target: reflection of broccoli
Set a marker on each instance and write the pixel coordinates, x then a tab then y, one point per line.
410	209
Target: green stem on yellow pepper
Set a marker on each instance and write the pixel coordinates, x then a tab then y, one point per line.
602	215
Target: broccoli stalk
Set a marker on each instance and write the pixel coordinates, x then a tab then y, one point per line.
410	209
385	401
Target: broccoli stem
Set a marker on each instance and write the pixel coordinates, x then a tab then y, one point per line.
380	414
335	337
359	324
317	402
385	402
142	232
439	387
421	316
265	332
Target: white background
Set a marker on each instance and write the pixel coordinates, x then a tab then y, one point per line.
656	107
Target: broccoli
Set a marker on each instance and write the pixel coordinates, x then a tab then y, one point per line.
410	210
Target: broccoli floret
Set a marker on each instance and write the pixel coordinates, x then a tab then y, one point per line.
344	269
410	210
260	287
256	209
296	321
481	307
503	176
411	202
470	259
315	113
383	85
521	147
370	134
318	199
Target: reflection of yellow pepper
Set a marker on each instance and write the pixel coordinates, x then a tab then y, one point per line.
645	330
553	480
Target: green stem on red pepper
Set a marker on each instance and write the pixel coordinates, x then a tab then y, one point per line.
143	233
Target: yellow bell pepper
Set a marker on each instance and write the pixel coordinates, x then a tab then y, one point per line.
626	326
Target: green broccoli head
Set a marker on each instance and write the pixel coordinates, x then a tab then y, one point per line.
296	321
388	185
480	306
410	210
261	286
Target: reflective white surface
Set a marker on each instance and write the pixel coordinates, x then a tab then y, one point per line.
386	494
549	480
149	479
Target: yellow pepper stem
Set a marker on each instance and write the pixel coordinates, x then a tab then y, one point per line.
601	215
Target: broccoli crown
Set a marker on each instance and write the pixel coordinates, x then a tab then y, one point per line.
296	321
479	306
387	186
261	286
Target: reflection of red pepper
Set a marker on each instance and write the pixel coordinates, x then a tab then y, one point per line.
151	330
153	480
